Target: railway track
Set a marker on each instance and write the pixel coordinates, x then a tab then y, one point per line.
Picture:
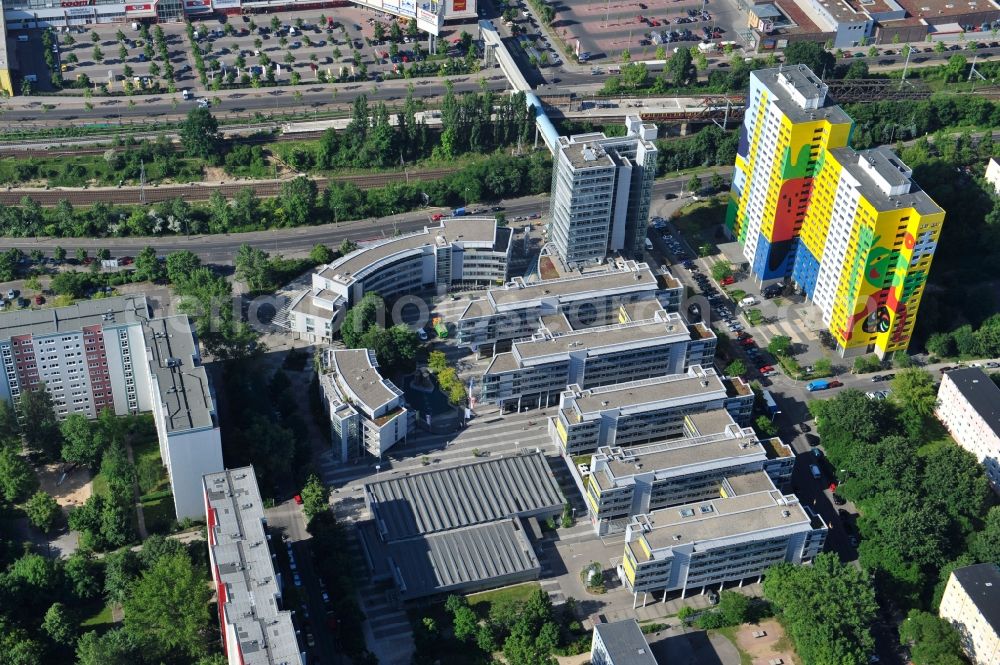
201	191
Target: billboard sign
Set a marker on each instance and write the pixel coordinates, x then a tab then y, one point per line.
225	4
458	6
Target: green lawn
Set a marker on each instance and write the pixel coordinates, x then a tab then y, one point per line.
159	514
158	503
100	619
100	484
481	602
698	221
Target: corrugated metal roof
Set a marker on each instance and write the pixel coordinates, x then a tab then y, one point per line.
462	496
461	557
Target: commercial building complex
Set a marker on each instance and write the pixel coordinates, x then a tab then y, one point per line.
460	252
519	308
971	603
255	629
620	643
601	189
637	412
459	529
367	413
733	537
537	370
850	228
968	405
109	354
624	482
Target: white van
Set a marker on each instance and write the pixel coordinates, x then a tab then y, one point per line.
649	245
22	38
185	94
749	301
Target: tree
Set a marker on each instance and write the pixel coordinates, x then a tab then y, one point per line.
694	184
680	66
167	610
811	54
40	429
82	444
10	432
932	640
59	625
320	254
121	571
827	609
717	182
954	484
17	480
858	69
780	345
83	575
765	427
97	54
315	497
181	264
735	608
115	647
369	312
59	254
721	270
147	266
253	266
736	368
17	647
42	510
346	247
298	200
199	134
914	389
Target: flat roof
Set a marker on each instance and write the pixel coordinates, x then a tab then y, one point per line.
451	230
461	496
628	280
648	391
556	323
307	304
106	312
723	518
703	423
465	556
673	457
982	584
357	369
980	392
183	383
625	643
749	483
669	330
243	558
587	153
502	362
801	78
879	158
932	9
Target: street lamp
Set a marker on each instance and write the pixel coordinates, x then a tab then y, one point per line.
378	467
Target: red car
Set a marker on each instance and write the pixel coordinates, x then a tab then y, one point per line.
747	341
298	499
437	217
834	384
766	368
39	300
743	335
726	281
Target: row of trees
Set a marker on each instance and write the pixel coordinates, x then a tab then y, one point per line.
447	378
923	500
965	341
298	203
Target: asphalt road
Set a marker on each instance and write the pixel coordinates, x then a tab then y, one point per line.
221	248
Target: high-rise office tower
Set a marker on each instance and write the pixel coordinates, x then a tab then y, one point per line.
852	229
601	189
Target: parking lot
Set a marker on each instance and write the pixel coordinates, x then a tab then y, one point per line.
604	29
343	43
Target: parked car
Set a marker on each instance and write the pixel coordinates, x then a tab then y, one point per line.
814	470
837	499
726	281
298	499
39	299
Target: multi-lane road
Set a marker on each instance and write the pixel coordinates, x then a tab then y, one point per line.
221	248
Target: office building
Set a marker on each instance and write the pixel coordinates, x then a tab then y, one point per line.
624	482
459	253
850	228
108	354
459	529
537	370
788	123
968	405
620	643
255	629
627	414
736	536
971	603
518	309
601	190
367	412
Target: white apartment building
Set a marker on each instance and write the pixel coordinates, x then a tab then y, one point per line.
255	629
624	482
627	414
969	407
460	252
537	370
993	174
971	602
601	190
518	309
368	413
109	354
730	538
620	643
